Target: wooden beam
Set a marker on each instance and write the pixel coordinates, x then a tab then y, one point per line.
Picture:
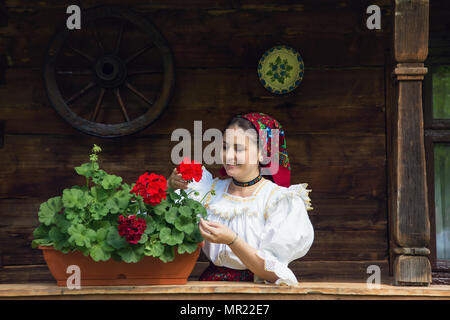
227	290
411	225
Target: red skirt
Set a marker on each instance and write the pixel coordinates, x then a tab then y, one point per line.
216	273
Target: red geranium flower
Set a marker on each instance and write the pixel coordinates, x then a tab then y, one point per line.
151	187
131	228
190	170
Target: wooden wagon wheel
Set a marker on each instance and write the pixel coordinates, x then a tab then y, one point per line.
85	63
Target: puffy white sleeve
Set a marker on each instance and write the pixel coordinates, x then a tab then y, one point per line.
288	233
202	186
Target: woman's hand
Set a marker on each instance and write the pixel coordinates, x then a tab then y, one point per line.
175	181
216	232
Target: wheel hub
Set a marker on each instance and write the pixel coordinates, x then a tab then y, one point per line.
110	71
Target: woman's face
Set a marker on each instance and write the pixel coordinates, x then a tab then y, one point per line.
240	152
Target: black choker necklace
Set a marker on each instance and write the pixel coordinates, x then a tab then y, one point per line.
249	183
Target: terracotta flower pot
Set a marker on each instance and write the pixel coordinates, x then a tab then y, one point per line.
147	271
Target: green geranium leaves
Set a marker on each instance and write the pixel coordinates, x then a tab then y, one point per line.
171	237
49	209
131	254
99	210
81	236
99	193
114	239
111	182
183	223
154	249
171	215
62	223
87	169
185	211
161	208
188	247
151	226
56	235
100	252
168	254
101	234
174	196
75	198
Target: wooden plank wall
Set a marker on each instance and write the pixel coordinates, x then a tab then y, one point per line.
335	120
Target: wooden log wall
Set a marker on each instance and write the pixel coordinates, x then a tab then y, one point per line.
335	121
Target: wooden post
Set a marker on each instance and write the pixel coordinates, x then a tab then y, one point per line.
411	227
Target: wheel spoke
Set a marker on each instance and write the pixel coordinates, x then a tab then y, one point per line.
133	72
80	72
122	105
138	53
81	53
94	30
138	93
99	103
119	38
80	93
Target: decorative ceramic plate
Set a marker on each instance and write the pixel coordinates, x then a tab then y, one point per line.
280	69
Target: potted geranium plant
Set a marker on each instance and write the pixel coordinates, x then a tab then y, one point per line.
120	234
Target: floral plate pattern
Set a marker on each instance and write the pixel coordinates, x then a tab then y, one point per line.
281	69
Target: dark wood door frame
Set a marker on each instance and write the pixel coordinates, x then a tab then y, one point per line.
436	131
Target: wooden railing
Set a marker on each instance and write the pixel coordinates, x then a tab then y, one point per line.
194	290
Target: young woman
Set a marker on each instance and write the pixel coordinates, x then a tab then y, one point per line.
255	225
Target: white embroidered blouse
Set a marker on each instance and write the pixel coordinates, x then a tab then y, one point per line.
273	220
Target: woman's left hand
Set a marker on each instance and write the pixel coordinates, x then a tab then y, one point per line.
216	232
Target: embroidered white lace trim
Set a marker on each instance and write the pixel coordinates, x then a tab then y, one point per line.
300	190
284	274
230	214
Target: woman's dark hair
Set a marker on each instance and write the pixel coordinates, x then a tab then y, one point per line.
243	124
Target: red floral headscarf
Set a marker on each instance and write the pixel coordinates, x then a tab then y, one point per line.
262	121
